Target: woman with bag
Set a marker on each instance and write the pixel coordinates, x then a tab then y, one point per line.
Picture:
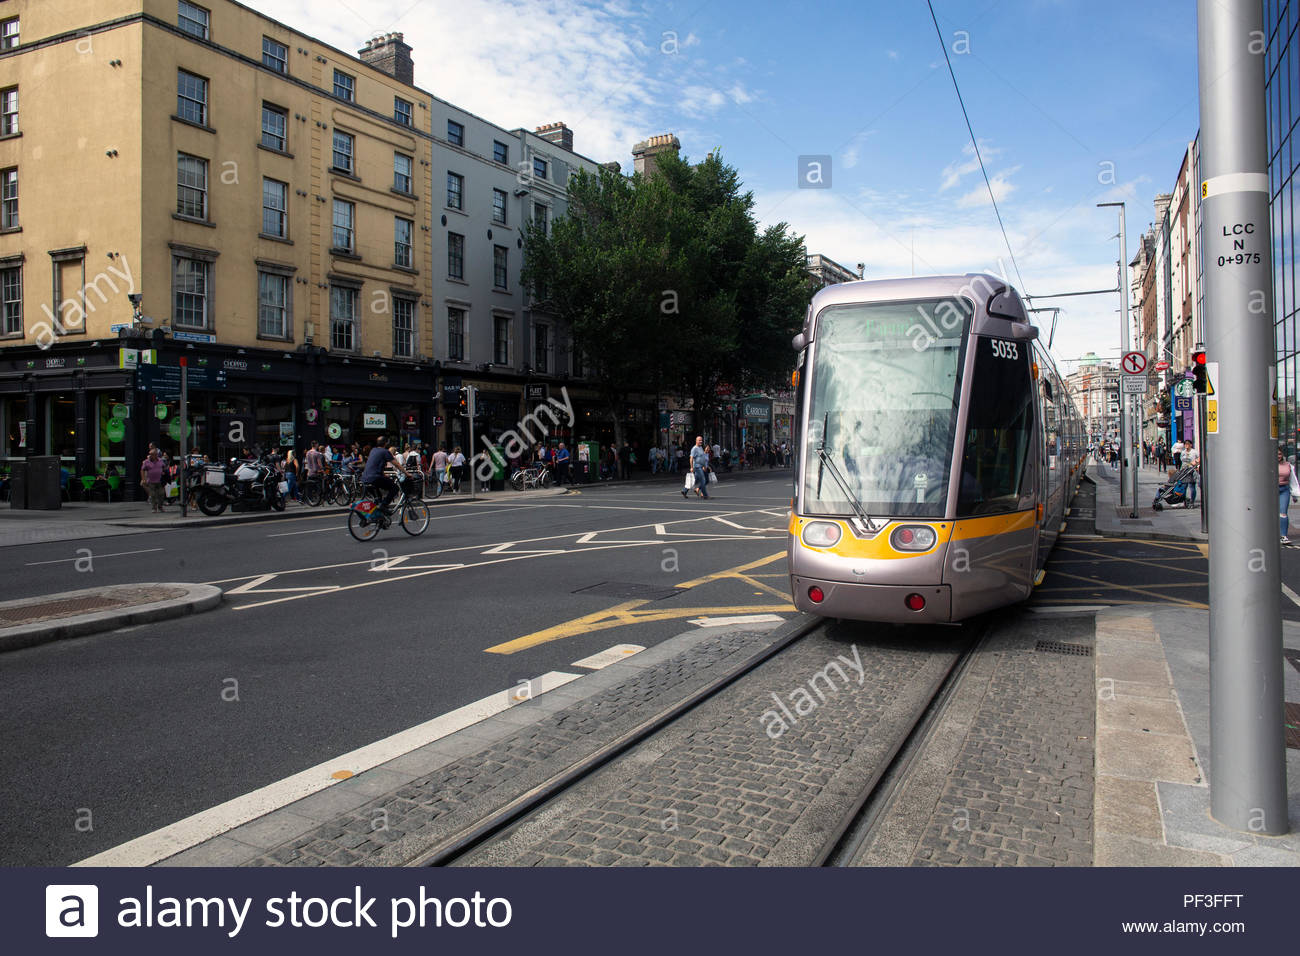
1288	490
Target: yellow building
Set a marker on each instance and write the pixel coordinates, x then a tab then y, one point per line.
266	195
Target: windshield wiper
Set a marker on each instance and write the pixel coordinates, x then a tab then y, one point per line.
839	477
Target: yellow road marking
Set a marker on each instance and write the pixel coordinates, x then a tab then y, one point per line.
629	611
1146	592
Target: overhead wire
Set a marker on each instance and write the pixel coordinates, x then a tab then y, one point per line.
975	144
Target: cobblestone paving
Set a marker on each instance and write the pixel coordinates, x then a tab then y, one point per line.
403	824
1020	792
730	785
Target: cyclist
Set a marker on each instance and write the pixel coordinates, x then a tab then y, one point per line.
374	474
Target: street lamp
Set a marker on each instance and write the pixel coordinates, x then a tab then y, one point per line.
1127	465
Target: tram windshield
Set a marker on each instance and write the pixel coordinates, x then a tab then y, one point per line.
885	385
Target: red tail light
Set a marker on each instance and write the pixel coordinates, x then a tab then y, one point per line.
914	602
816	595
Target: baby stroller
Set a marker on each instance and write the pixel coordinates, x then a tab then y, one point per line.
1174	492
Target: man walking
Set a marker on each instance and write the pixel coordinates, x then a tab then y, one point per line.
699	468
151	476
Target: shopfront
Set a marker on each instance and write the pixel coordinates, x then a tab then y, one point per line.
756	420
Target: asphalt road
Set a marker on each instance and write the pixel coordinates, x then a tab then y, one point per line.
324	644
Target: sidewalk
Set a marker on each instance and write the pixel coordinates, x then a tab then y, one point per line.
1152	801
1113	521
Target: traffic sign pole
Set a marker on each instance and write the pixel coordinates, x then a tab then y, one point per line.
185	423
1247	746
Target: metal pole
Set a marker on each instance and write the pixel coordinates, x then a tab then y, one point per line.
185	428
471	394
1125	415
1205	468
1247	748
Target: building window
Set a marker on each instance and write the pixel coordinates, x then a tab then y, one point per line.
191	98
344	225
8	33
191	186
9	111
500	152
402	232
456	335
500	260
344	86
455	256
402	166
343	318
275	55
455	133
190	284
501	340
9	199
11	299
275	208
272	305
403	328
455	191
193	19
539	168
542	348
344	146
402	111
275	128
541	218
499	206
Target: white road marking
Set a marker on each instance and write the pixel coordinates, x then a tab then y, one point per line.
92	555
343	526
616	653
740	619
1295	598
170	840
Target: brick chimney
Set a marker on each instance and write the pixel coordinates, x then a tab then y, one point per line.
557	133
644	153
389	54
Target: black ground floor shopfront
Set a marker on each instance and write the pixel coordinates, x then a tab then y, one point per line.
89	403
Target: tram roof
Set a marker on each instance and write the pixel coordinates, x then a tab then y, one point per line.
977	286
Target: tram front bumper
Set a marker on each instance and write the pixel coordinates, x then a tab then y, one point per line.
873	602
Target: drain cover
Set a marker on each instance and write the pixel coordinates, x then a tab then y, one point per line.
618	589
1060	647
64	607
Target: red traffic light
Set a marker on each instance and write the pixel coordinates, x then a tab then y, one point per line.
1198	358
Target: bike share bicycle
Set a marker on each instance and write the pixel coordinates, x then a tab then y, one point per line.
367	518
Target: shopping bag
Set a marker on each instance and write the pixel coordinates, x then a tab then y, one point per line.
713	477
690	480
172	490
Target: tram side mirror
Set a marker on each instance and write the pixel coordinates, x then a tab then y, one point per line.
799	342
1024	332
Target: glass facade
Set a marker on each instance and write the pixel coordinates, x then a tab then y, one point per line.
1282	93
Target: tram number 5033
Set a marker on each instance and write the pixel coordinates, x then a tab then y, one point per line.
1005	350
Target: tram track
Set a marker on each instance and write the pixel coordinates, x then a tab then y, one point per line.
856	784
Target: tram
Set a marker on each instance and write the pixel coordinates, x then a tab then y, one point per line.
938	451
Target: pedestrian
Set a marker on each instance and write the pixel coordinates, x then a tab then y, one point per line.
699	468
438	466
151	476
625	462
1162	455
1192	459
291	473
1288	490
1178	454
456	462
562	465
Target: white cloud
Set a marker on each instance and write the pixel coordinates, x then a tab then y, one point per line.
999	182
597	67
954	171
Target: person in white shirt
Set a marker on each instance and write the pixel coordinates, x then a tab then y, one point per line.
457	463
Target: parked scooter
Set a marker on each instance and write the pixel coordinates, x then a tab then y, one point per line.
243	486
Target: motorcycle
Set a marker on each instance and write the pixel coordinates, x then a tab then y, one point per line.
243	486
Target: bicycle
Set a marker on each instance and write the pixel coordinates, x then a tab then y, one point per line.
367	518
534	476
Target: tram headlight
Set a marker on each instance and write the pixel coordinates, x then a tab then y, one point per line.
821	534
913	538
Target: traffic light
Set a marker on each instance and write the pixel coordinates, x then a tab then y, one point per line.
1198	369
463	404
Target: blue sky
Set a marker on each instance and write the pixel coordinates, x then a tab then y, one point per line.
1073	103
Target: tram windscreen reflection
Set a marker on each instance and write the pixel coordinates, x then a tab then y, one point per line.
884	397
